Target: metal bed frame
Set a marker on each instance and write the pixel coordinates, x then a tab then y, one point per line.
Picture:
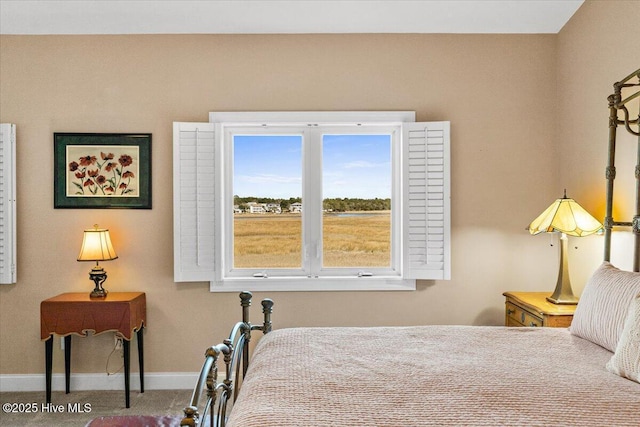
618	104
211	398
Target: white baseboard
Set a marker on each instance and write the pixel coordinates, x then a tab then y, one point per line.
152	381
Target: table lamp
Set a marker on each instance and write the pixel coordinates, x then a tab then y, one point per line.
569	218
96	246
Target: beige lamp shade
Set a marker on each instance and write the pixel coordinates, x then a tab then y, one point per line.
96	246
566	216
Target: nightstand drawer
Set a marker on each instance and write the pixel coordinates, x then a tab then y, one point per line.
511	322
533	309
521	317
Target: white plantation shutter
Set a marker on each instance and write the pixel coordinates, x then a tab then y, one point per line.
194	208
427	201
7	204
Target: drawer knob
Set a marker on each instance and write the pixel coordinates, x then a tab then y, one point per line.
533	324
509	311
522	317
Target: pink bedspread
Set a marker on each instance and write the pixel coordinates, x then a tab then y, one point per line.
432	376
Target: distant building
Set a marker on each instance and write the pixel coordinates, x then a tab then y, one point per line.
256	207
273	208
295	207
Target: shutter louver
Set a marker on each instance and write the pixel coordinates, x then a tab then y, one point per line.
7	204
427	217
194	201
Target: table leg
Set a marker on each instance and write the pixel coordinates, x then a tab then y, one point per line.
141	359
48	359
67	362
126	346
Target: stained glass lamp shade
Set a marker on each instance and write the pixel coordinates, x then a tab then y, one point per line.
567	217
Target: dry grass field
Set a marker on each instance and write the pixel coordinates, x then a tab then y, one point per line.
350	240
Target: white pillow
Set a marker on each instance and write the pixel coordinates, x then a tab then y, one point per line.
626	360
603	305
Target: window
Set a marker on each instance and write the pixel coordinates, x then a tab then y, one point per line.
7	204
311	201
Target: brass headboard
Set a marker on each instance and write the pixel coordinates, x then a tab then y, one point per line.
626	92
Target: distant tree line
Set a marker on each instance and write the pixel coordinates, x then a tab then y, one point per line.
348	204
334	205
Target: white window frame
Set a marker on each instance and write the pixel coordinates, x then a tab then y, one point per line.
312	214
421	226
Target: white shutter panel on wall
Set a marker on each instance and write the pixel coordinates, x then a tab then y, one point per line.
194	182
427	201
8	244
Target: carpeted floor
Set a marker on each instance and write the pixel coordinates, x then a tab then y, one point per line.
79	407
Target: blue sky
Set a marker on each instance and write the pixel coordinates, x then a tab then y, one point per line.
353	166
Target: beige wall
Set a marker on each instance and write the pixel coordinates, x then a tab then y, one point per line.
596	49
500	93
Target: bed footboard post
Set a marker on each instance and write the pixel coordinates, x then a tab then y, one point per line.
245	303
267	309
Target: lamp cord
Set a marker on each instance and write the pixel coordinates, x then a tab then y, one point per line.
115	346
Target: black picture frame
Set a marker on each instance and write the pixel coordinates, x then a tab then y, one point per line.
102	170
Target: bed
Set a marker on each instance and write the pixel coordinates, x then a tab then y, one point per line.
585	375
432	376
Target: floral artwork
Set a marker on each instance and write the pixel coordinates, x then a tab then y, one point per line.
102	171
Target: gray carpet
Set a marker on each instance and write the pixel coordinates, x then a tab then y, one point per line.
94	403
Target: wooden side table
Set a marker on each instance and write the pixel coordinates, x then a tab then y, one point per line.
76	313
533	309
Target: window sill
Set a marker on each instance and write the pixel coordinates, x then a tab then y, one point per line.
297	284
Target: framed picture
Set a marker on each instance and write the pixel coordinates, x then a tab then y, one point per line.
102	170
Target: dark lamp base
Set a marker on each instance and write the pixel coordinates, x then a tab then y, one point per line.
98	275
98	293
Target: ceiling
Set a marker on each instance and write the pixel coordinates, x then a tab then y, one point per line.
283	16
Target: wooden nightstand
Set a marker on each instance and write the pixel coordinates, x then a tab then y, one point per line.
532	309
76	313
